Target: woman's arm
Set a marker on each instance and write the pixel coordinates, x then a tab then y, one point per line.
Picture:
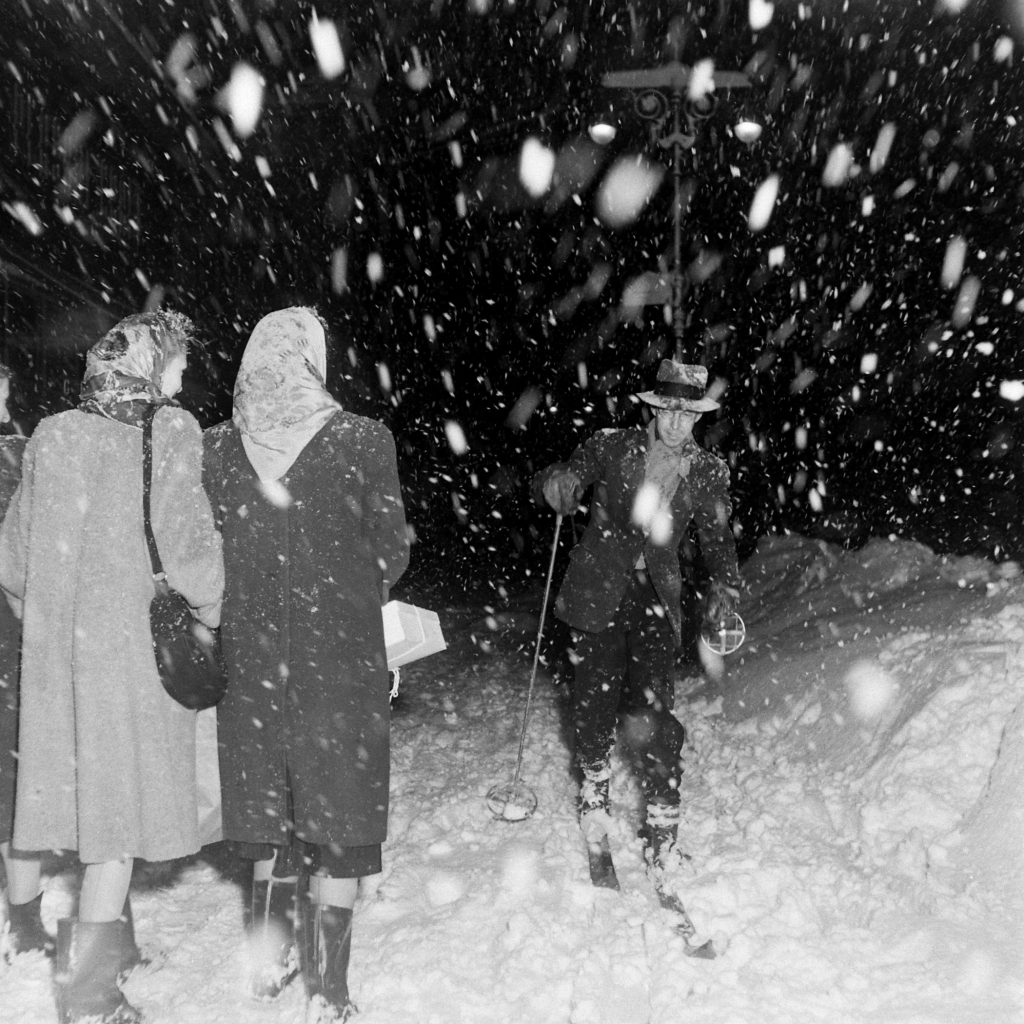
188	541
384	511
213	476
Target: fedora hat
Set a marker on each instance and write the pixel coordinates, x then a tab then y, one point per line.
680	386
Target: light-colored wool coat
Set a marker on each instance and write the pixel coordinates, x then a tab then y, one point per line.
106	756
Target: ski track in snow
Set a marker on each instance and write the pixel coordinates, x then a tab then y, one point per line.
827	885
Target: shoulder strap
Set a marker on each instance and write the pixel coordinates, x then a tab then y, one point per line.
147	486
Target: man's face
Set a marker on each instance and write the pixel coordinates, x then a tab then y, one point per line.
675	426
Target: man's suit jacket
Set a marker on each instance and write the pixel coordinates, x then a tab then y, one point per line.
603	563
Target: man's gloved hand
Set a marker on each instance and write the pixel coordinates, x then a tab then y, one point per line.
722	600
562	491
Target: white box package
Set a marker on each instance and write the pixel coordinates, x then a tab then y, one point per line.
410	633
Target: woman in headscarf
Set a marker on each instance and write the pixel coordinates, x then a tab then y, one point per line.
106	757
308	501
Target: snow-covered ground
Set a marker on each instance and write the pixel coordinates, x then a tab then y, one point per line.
854	809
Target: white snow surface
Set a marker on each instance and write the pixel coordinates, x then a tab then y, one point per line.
853	809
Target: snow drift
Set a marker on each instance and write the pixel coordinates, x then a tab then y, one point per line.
853	813
894	677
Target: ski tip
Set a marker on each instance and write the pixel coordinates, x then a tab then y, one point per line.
705	951
602	867
606	881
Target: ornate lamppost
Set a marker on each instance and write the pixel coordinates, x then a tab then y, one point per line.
664	97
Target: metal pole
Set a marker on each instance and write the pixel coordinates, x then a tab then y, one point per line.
536	653
669	82
4	355
677	238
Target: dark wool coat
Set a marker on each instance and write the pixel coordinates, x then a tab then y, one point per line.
308	562
11	449
106	759
602	563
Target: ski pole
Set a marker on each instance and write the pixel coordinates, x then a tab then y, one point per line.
536	652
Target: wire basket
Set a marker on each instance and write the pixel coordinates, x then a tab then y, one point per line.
726	636
511	801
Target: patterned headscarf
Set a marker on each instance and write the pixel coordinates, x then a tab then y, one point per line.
281	401
127	364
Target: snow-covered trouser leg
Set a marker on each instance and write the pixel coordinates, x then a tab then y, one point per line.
653	735
601	662
600	669
593	801
660	832
655	740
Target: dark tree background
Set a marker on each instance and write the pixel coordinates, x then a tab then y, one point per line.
870	378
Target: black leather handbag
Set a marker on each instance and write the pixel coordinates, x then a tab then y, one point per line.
188	655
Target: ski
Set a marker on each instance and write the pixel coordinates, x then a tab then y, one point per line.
684	925
603	876
602	867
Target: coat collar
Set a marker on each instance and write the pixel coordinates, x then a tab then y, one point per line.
639	440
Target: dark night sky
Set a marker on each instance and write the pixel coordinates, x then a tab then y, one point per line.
863	384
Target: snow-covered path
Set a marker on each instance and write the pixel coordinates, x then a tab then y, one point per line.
827	832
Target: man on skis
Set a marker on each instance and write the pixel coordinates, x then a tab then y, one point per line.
622	592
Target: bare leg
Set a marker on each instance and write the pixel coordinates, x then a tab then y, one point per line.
23	874
24	902
262	870
104	890
333	892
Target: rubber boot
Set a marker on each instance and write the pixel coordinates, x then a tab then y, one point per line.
131	955
25	933
88	960
325	943
271	931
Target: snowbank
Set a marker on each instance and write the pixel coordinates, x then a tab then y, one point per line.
896	676
852	810
991	857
